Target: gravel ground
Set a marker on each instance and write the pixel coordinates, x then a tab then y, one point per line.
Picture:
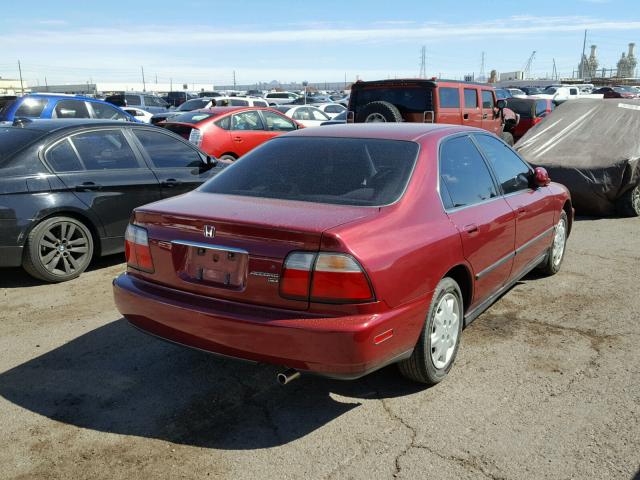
546	385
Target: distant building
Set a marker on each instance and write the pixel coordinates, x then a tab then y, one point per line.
628	63
588	67
11	86
108	87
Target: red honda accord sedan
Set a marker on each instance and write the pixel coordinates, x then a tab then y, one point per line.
342	249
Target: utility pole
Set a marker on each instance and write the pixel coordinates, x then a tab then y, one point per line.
171	84
156	79
554	75
46	85
21	84
584	46
423	62
144	84
234	79
482	77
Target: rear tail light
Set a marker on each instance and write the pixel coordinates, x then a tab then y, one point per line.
136	248
537	120
325	277
195	137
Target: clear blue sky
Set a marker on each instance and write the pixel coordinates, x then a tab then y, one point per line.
201	41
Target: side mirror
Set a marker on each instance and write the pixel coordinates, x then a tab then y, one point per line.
501	104
541	177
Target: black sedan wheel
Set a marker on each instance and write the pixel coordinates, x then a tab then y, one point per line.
58	249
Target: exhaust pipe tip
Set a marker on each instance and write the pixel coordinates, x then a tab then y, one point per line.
288	376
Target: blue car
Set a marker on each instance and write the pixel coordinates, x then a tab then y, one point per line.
59	106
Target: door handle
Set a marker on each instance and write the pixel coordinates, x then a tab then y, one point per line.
484	116
237	139
88	187
170	182
521	209
471	229
465	116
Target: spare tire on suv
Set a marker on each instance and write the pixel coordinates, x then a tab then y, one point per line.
374	112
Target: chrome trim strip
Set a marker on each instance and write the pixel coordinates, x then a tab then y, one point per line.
534	240
219	248
508	257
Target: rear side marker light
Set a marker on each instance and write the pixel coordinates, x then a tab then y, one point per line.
325	278
378	339
136	248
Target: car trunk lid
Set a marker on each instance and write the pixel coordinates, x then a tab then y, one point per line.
234	247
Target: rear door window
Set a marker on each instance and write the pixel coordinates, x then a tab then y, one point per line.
470	98
31	107
107	112
464	177
105	150
133	100
63	158
166	151
449	97
71	109
513	174
406	99
234	102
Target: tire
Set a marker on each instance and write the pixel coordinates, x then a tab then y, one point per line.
553	261
628	205
507	138
58	249
227	158
421	366
379	112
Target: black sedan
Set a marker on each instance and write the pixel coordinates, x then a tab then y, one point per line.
67	188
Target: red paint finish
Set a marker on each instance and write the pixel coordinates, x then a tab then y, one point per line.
403	249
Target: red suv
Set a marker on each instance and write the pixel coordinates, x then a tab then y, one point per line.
227	133
341	250
432	101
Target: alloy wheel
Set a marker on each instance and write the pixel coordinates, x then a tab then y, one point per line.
559	241
64	249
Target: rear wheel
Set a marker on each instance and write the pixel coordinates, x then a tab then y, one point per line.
551	264
507	138
628	205
58	249
437	347
379	112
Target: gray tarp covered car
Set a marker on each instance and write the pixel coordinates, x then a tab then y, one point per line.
592	147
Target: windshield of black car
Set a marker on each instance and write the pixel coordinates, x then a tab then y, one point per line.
193	104
190	117
13	139
343	171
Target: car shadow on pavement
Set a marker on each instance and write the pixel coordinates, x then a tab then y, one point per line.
118	380
18	278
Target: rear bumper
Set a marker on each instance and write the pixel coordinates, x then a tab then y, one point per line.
11	256
339	347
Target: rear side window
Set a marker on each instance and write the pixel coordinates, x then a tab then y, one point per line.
249	120
344	171
470	98
334	109
168	152
234	102
449	97
62	158
541	108
513	174
260	103
71	109
31	107
105	150
487	99
224	123
464	177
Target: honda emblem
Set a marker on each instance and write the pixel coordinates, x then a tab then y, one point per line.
209	231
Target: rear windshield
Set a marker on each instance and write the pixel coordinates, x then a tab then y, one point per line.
406	99
343	171
13	139
190	117
193	104
521	106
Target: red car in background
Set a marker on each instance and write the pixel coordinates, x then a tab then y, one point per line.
342	249
618	92
531	111
227	133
